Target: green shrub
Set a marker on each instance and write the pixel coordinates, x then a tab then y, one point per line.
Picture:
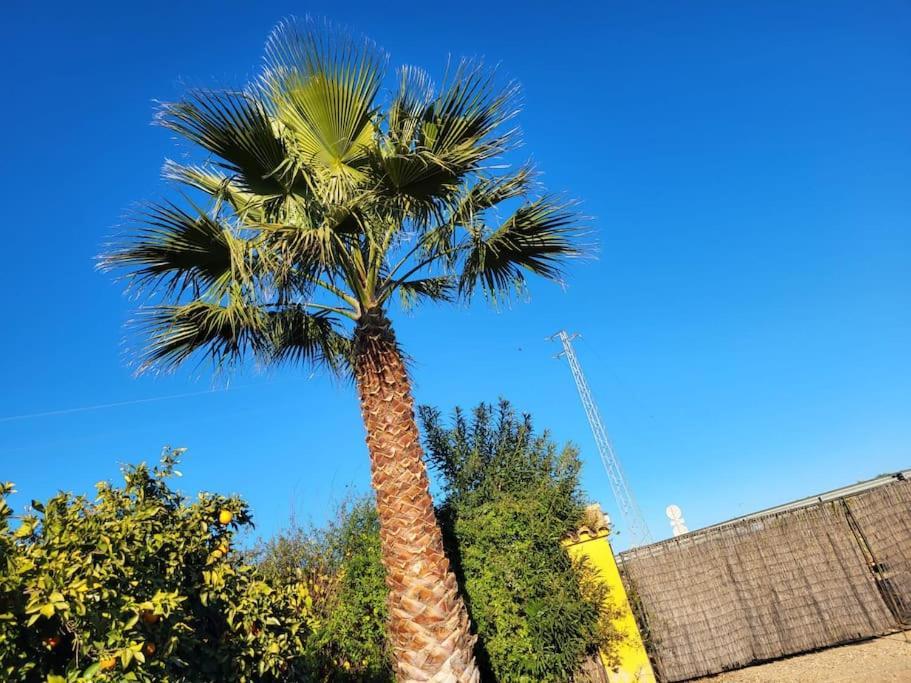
510	498
344	558
142	585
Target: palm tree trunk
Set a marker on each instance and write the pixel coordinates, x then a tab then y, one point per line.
428	622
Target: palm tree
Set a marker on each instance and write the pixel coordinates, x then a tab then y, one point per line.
322	206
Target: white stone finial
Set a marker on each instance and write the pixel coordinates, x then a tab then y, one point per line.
675	515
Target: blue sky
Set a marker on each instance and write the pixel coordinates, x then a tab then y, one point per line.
746	323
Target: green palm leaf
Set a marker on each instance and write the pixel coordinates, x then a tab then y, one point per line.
463	127
251	207
439	288
322	88
407	109
236	127
433	143
299	253
488	192
298	336
223	333
178	249
537	238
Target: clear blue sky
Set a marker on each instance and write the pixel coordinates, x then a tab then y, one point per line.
746	325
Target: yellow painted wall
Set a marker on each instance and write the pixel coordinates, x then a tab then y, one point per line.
634	663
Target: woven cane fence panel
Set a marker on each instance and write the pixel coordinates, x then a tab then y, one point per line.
883	516
754	590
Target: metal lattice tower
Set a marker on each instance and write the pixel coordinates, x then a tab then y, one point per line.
629	509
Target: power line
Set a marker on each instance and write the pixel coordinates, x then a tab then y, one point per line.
116	404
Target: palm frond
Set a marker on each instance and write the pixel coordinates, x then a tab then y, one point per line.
221	188
488	192
463	126
407	109
439	288
223	333
237	128
322	86
172	247
537	238
309	250
433	142
415	185
299	336
465	211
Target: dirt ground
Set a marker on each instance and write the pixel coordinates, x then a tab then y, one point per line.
883	660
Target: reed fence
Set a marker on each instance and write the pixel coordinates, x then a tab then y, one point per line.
779	584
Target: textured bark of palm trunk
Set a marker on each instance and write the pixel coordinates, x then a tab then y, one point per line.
428	622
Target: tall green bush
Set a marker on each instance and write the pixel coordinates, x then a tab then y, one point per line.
511	497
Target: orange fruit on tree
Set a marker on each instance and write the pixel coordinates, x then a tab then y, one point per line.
149	649
225	517
108	663
149	617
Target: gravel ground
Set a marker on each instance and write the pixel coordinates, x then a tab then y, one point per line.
883	660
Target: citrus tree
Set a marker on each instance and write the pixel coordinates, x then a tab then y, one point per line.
319	204
141	585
